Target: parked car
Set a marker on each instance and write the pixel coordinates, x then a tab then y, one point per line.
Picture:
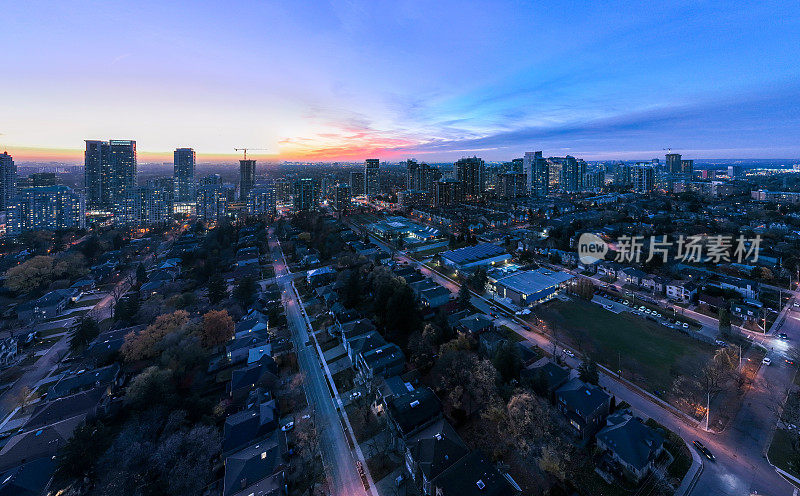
783	335
766	361
703	450
720	342
568	353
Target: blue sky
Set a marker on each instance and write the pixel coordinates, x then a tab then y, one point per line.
436	80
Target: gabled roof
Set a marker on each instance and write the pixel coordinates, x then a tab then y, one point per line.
473	475
414	409
84	380
37	443
255	373
29	479
249	425
64	408
249	467
630	439
436	451
476	322
581	397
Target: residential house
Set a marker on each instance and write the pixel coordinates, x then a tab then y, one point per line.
49	305
245	427
490	341
546	379
106	377
632	275
411	412
43	442
750	310
435	297
631	444
258	469
431	452
681	291
385	360
473	475
29	479
85	404
476	324
261	374
586	406
654	283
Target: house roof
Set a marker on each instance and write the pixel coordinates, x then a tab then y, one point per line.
29	479
437	450
552	374
64	408
83	380
630	439
414	409
253	373
472	475
37	443
581	397
249	425
476	322
246	468
382	357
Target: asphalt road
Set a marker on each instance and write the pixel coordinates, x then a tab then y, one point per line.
336	454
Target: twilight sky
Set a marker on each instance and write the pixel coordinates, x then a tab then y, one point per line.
319	80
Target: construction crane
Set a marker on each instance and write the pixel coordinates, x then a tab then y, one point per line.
245	150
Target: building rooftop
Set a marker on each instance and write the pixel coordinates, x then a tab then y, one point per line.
471	254
531	282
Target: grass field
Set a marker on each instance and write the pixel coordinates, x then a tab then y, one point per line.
649	354
781	452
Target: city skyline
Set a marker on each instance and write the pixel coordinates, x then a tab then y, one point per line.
323	83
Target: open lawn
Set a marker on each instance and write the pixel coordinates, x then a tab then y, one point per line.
649	354
781	453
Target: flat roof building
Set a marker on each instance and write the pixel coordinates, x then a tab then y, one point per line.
474	256
531	286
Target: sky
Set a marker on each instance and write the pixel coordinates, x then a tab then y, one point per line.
344	81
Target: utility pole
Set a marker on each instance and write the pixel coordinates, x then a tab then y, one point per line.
708	408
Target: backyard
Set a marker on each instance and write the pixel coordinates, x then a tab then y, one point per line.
647	353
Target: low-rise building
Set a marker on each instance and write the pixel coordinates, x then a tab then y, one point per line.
586	406
631	444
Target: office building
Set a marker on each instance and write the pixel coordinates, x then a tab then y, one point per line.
372	181
45	207
357	182
642	178
306	194
673	164
342	197
247	177
261	200
183	163
8	178
413	198
536	167
471	171
449	192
